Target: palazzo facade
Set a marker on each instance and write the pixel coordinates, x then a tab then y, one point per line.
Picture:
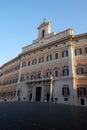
52	69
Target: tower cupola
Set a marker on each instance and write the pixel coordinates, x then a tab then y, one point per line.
44	29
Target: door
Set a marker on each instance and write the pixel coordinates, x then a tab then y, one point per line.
30	98
82	101
38	93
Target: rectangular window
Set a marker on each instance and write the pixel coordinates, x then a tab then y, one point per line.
65	72
56	73
78	51
64	53
24	64
34	62
48	74
65	91
86	50
28	63
49	57
81	91
80	71
41	59
56	55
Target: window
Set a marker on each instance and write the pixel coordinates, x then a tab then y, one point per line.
65	72
18	66
78	51
81	91
27	77
43	32
56	73
34	61
86	50
65	91
49	57
48	74
23	64
28	63
80	71
56	55
64	53
41	59
22	78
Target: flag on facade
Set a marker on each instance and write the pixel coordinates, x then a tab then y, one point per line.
40	73
35	72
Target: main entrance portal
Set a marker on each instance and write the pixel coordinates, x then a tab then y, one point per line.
38	93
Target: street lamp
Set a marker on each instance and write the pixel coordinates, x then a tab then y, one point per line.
51	88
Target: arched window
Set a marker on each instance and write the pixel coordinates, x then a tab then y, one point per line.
43	32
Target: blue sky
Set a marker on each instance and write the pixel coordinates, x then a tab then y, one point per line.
19	20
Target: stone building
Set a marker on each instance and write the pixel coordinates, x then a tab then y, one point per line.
52	69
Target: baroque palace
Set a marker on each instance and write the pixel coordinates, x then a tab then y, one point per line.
52	69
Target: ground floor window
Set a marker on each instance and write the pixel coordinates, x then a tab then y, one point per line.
81	91
65	91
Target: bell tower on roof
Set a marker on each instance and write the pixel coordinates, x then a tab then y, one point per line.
44	29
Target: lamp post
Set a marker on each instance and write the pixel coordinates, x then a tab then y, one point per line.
51	89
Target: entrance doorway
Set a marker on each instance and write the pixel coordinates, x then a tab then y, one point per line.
38	93
30	98
82	101
48	97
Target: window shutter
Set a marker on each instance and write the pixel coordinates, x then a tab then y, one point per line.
62	91
68	91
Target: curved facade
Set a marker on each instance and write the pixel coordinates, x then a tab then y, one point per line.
53	68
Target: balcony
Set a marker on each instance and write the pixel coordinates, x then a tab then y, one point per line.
38	80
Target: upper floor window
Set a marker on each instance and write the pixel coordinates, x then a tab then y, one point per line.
78	51
23	64
22	78
56	73
41	59
18	66
56	55
34	62
48	74
28	63
49	57
65	53
86	50
65	91
80	71
65	72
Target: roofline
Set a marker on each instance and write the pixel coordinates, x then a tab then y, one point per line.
10	61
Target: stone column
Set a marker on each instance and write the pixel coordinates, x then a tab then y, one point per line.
33	93
51	89
19	76
18	83
72	70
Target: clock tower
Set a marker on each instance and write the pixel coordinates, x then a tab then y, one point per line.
44	29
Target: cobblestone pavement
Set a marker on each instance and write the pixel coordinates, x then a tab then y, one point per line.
41	116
